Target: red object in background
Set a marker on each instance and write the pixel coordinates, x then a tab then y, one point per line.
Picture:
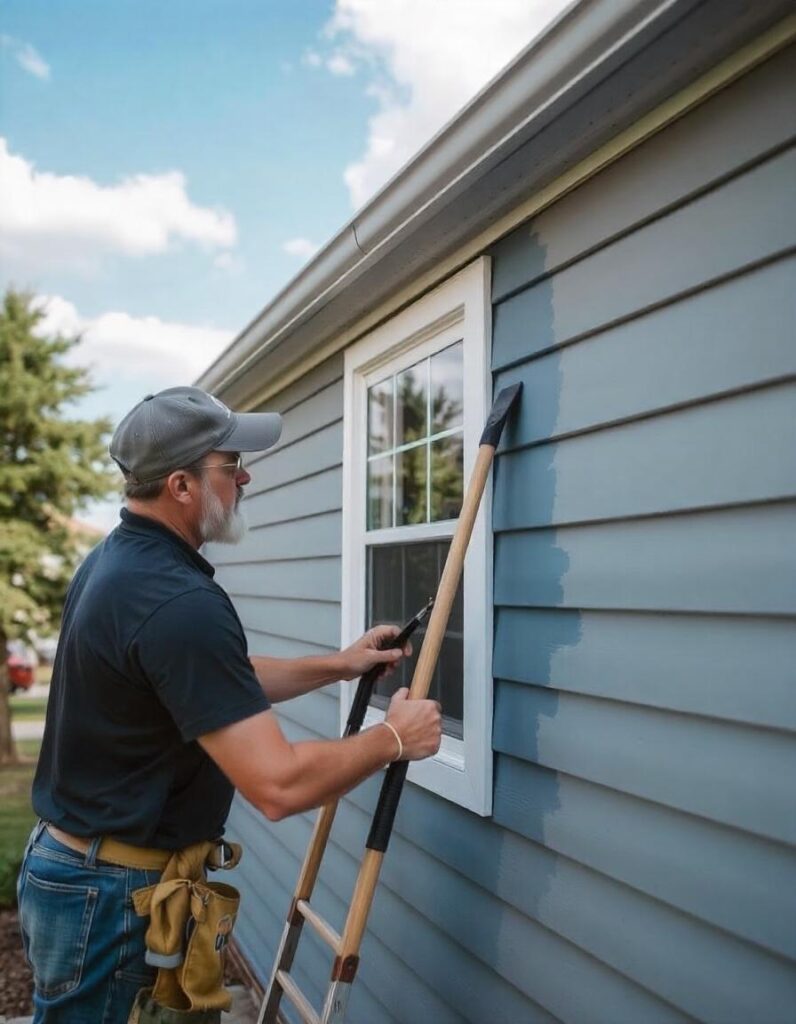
20	673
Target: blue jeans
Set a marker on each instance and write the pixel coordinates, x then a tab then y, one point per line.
81	934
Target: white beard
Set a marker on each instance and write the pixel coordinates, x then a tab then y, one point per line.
217	524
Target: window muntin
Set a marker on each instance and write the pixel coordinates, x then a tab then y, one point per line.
415	423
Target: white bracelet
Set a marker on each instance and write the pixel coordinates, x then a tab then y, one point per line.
394	731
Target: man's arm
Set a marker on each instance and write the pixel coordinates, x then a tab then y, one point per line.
284	678
282	778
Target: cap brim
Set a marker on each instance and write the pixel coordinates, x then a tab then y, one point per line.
253	432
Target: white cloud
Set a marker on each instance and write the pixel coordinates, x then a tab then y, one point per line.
230	264
118	346
28	58
301	247
425	61
312	59
339	64
129	357
49	219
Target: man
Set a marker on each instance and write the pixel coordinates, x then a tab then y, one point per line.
156	711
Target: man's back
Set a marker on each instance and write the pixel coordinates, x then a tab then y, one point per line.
151	655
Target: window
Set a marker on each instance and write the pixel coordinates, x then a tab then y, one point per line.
416	396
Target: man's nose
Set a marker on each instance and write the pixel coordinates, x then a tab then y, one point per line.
242	477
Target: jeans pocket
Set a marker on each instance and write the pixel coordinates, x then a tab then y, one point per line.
56	918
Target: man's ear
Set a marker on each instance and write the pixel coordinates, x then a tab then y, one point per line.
181	486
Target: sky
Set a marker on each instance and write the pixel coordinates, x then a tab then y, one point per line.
167	167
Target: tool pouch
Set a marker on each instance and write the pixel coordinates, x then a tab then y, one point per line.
191	921
147	1010
214	907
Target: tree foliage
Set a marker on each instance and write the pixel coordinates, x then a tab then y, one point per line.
50	466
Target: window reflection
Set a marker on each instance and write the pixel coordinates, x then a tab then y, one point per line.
411	404
380	492
447	477
410	486
380	417
400	579
447	388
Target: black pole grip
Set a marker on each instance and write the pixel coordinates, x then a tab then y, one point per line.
381	826
359	705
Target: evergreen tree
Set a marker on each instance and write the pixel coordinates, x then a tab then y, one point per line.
50	466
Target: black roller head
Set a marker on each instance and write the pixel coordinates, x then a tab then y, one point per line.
501	408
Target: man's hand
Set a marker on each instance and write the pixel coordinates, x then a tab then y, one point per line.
365	653
418	723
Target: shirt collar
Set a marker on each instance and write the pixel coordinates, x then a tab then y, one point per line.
143	524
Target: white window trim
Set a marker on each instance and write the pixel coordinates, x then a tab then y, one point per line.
459	308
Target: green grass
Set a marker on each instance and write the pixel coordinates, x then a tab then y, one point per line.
28	709
28	749
16	821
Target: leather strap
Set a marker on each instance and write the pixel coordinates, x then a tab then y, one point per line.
112	851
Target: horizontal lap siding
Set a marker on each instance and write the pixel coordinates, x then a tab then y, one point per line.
645	565
638	865
284	579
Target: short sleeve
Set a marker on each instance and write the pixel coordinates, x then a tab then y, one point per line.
192	650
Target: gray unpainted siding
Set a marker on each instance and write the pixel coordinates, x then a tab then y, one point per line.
639	865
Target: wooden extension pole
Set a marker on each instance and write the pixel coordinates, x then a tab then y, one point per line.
299	909
346	963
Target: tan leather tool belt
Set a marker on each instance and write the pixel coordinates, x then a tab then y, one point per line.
112	851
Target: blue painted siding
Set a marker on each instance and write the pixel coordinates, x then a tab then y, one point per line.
285	582
645	575
639	865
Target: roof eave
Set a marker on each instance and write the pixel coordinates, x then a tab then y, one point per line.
562	69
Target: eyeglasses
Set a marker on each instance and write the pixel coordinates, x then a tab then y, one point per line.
237	465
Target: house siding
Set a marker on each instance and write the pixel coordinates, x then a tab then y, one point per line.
645	571
639	864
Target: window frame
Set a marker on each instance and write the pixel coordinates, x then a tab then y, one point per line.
459	309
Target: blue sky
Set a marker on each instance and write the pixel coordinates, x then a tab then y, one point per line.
166	167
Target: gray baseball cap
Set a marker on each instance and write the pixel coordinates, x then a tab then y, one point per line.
177	426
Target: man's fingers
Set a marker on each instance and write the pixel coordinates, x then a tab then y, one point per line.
382	633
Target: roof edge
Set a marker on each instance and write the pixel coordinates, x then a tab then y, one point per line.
561	53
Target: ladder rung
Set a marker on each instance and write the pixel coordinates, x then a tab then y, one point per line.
297	998
322	927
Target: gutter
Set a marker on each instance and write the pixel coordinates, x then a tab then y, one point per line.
581	49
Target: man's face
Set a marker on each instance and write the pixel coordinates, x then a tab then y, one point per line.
223	480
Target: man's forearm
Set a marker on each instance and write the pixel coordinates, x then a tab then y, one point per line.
283	678
322	770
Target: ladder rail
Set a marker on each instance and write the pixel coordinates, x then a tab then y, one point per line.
310	867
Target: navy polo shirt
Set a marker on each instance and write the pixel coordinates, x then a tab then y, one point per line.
151	656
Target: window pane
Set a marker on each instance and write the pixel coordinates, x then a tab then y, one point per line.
422	571
447	476
410	484
385	585
402	578
411	404
447	388
380	493
380	407
448	684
